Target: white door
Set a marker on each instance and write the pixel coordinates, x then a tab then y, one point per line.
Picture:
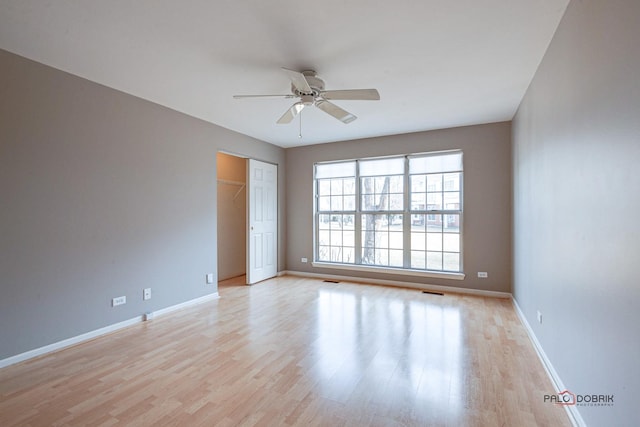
262	245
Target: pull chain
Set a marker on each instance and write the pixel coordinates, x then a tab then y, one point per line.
300	128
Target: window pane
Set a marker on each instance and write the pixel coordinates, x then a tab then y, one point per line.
434	241
348	222
336	254
451	242
368	256
434	223
324	203
434	260
336	222
349	186
377	167
395	258
434	182
381	240
417	222
349	203
324	253
396	202
452	201
324	187
349	255
381	184
396	184
336	187
336	238
434	201
451	262
418	241
368	222
418	201
418	259
323	237
336	170
324	221
382	257
395	240
418	183
349	238
451	223
336	203
451	182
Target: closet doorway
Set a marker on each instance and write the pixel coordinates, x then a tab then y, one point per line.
232	218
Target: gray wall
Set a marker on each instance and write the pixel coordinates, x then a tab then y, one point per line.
487	198
232	217
576	140
102	195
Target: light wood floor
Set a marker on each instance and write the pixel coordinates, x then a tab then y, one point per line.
292	351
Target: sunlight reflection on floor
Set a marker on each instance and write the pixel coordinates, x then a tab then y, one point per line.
416	345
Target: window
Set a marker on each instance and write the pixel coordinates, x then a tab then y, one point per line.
399	212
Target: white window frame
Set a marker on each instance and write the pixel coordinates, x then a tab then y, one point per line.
407	215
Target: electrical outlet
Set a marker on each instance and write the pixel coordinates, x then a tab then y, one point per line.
483	274
303	259
210	278
118	301
146	294
539	317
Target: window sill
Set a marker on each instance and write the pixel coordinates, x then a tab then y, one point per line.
390	270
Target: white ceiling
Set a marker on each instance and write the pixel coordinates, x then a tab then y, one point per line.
436	63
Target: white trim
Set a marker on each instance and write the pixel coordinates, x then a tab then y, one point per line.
68	342
390	270
205	298
401	284
99	332
572	411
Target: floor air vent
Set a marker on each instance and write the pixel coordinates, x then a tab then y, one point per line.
331	281
432	293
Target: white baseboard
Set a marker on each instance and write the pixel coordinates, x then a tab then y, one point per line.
209	297
572	411
98	332
402	284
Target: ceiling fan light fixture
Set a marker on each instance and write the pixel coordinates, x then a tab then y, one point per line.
307	99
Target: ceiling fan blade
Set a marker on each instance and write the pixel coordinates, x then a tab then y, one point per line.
298	80
335	111
352	94
291	113
263	96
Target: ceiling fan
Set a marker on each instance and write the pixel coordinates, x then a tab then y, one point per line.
310	89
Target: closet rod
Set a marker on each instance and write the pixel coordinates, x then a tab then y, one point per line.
227	181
